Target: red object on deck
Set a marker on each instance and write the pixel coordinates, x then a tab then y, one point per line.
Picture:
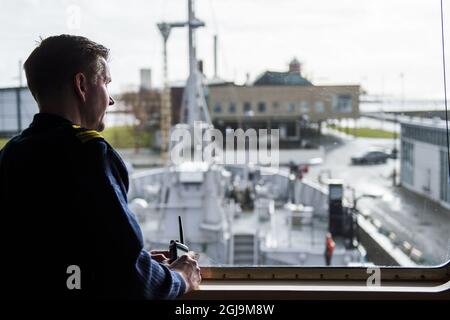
330	246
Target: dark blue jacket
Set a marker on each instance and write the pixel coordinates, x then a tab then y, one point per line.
63	202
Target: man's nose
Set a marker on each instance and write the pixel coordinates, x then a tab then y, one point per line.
111	101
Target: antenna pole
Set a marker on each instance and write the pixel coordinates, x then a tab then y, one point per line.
166	111
180	224
194	106
191	26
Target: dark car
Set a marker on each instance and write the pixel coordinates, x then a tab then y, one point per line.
371	157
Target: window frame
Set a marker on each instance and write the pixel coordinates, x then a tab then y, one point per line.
342	103
232	108
291	282
319	107
291	107
262	107
217	107
304	107
247	107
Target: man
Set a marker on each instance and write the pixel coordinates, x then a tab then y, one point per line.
66	228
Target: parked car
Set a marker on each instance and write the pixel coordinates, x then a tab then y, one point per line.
371	157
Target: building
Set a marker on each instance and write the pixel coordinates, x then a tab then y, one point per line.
424	159
17	108
145	79
284	100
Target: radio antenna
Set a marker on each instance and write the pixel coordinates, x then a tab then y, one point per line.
180	224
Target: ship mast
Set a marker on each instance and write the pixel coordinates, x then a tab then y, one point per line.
193	107
166	108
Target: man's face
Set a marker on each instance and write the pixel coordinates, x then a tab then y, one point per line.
98	98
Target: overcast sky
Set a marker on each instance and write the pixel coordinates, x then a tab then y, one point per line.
367	42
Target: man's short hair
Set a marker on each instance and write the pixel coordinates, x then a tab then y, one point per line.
57	59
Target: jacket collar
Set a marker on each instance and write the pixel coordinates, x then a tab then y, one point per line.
48	120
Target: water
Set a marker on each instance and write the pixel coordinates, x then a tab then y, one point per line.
389	105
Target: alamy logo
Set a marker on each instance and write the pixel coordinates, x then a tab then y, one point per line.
74	279
374	280
204	143
73	17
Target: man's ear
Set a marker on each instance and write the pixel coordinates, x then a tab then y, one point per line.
80	86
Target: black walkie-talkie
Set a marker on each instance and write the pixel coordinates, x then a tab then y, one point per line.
178	248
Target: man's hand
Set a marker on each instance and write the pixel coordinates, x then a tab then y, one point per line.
189	270
161	256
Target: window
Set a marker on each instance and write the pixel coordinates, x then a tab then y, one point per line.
299	95
217	107
425	131
304	106
319	105
261	107
291	107
342	103
247	107
407	164
232	108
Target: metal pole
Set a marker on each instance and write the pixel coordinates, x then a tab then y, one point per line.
166	116
192	57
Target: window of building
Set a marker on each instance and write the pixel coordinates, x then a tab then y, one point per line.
319	106
342	103
291	107
304	106
217	107
232	108
247	107
427	133
261	107
407	162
